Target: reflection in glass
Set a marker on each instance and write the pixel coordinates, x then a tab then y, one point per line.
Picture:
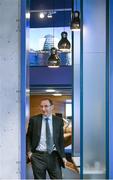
41	41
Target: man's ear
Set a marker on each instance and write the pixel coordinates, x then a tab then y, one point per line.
52	107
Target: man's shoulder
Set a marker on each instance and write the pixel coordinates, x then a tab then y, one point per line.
35	117
59	119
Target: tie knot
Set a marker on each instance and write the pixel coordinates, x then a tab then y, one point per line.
47	119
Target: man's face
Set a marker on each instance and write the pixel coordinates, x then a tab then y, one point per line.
46	108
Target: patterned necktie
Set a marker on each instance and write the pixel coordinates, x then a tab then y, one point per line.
49	139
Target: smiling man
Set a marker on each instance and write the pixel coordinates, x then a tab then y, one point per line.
45	142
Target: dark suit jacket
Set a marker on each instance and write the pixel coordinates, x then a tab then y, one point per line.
34	132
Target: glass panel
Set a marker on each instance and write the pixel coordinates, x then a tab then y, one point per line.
94	89
42	40
94	114
76	98
76	95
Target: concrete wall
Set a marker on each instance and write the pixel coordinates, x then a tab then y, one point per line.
10	89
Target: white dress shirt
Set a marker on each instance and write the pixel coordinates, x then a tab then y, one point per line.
42	144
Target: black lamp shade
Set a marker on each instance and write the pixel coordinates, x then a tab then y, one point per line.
53	60
64	44
75	23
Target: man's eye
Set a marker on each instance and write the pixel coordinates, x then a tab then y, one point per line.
46	106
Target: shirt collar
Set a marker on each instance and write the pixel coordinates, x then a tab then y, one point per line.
49	117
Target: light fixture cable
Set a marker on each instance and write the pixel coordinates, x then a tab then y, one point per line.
75	22
64	44
53	24
53	60
76	4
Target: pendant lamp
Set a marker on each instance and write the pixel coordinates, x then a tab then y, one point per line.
64	44
75	18
53	60
75	23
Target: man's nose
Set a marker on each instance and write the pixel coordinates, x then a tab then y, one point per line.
43	108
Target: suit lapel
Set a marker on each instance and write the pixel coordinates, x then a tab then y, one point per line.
54	127
39	125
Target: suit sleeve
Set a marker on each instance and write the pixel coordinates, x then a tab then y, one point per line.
61	141
28	136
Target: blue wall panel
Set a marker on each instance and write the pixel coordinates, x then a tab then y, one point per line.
23	90
50	76
111	94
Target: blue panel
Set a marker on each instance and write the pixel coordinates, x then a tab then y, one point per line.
93	26
24	82
49	4
23	90
50	76
58	17
111	93
57	20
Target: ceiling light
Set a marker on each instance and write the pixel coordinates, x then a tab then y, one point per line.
41	15
49	15
50	90
57	94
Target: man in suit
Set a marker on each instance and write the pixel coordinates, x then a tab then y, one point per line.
45	143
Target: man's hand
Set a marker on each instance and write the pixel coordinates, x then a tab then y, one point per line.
65	161
29	155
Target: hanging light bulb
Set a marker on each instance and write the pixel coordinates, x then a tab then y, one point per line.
64	44
75	23
53	60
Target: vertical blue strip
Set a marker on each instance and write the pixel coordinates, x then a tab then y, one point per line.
107	89
73	151
111	92
23	89
81	90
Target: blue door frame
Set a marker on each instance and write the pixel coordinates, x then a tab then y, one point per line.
23	89
23	94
